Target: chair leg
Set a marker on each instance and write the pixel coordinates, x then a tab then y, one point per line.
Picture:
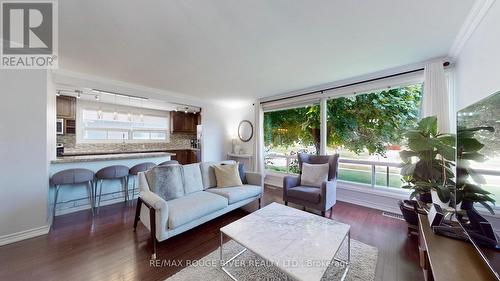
90	189
152	224
286	203
55	203
322	213
331	212
137	212
260	202
124	182
303	208
100	193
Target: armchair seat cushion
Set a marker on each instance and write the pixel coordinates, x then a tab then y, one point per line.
193	206
306	193
237	193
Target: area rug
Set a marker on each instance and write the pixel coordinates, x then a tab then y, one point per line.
249	267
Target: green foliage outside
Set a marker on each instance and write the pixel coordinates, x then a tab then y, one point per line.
370	121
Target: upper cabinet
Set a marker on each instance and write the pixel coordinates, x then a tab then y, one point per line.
66	107
184	122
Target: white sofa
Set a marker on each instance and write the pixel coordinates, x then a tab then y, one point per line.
201	202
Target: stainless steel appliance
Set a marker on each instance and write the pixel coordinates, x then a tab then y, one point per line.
60	126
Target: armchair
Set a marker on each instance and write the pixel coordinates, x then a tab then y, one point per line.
323	198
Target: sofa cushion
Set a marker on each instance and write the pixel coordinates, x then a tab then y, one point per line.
237	193
306	193
227	175
192	178
208	173
193	206
166	181
314	174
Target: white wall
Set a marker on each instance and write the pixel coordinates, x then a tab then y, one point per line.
478	64
220	125
23	153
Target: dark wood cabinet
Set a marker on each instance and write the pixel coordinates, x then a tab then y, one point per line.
184	122
186	156
66	107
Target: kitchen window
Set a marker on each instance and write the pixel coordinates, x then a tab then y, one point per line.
109	126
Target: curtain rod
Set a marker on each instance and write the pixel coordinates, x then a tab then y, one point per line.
350	84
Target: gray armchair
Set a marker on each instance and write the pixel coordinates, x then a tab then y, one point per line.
323	198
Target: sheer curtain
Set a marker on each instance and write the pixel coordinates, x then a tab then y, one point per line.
436	98
259	138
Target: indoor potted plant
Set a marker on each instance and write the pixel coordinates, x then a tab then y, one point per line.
427	164
468	189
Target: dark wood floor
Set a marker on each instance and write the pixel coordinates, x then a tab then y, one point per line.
106	248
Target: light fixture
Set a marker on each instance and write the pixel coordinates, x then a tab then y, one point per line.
78	94
141	116
115	114
58	93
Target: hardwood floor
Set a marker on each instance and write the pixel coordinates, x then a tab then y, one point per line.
106	248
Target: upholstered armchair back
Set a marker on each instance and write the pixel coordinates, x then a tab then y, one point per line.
332	160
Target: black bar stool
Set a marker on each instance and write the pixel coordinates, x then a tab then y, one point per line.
169	162
115	172
135	170
73	177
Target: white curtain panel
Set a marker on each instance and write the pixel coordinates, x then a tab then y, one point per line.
259	138
436	99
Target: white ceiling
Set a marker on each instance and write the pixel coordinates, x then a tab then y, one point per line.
239	50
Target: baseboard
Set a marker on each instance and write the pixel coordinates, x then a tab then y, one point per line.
25	234
371	205
87	206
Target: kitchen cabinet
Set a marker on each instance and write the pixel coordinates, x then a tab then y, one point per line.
66	107
186	156
184	122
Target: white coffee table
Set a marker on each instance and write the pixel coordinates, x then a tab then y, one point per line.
300	244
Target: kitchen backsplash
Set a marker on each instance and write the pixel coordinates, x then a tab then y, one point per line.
177	141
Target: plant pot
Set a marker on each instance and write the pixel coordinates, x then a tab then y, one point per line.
436	200
466	205
425	197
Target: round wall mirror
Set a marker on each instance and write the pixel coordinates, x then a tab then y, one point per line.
245	131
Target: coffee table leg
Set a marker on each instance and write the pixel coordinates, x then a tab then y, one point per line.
220	250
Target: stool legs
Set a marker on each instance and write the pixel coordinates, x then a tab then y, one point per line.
100	193
55	203
90	190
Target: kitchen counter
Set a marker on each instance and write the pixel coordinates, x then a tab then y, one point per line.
107	157
93	153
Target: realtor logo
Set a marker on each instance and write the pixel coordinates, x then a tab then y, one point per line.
29	35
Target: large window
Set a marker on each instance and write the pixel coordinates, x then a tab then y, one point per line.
366	129
288	132
112	126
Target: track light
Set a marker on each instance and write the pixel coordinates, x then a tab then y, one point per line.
97	97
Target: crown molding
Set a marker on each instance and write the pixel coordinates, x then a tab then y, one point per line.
475	17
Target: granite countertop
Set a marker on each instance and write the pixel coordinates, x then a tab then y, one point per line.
106	157
85	153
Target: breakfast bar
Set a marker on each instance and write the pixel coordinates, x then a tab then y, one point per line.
74	198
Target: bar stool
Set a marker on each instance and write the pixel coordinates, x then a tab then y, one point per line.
115	172
135	170
73	177
169	162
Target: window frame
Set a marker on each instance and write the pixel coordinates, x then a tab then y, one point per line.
87	105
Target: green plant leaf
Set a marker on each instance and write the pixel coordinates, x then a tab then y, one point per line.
488	207
428	125
469	145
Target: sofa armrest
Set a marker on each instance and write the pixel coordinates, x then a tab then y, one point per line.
291	181
329	193
255	178
153	202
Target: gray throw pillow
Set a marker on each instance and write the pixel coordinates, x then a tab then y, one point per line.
192	178
166	181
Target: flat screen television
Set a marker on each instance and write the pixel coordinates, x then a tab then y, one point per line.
478	176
